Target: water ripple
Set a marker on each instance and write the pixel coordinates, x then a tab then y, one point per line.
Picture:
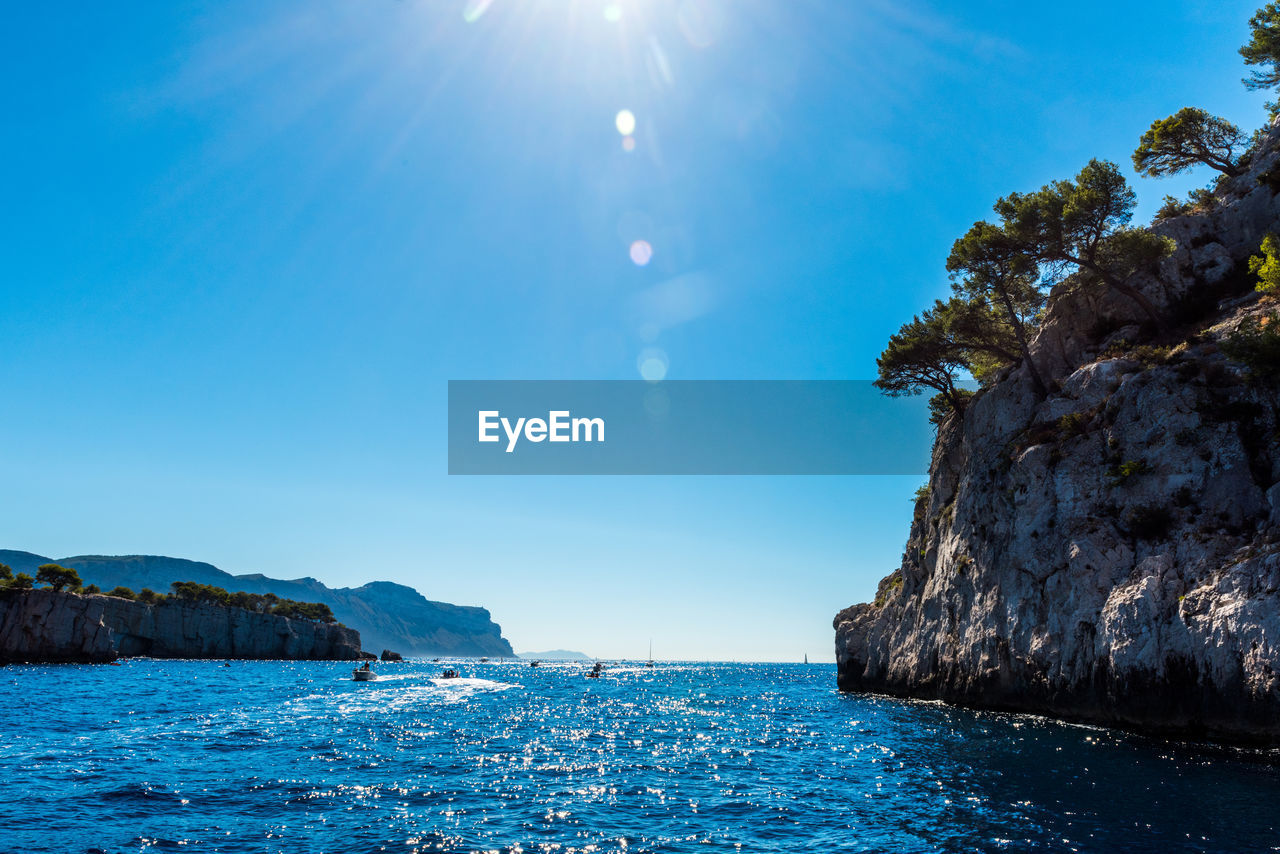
276	757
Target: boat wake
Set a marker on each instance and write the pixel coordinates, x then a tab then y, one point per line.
462	682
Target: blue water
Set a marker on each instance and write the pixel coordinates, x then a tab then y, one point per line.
270	756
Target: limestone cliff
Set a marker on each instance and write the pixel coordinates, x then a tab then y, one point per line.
48	626
1110	553
387	615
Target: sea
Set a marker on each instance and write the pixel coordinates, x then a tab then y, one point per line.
197	756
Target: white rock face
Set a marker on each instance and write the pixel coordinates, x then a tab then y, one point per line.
44	626
1110	553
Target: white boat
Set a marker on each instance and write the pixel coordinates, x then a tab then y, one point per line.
364	676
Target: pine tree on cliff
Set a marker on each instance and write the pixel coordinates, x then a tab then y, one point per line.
1080	226
1190	137
1263	48
932	350
986	265
57	576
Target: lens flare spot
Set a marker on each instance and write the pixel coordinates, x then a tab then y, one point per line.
474	9
628	143
625	122
657	403
641	253
652	364
613	13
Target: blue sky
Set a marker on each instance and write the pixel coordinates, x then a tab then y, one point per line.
246	244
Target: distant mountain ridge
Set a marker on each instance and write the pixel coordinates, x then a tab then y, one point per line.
387	615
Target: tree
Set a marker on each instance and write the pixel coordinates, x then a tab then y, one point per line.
1078	226
976	329
1263	48
57	576
120	592
149	596
919	356
1189	137
6	574
91	590
986	265
21	581
1267	266
931	350
195	592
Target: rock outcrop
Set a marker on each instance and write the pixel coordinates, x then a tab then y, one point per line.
49	626
386	614
1110	553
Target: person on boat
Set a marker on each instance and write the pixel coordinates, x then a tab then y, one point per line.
366	666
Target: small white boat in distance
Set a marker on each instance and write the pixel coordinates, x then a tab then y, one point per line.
364	676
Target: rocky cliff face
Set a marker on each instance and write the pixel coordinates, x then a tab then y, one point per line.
44	626
1111	553
386	615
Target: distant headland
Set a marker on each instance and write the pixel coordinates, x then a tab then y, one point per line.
386	615
51	625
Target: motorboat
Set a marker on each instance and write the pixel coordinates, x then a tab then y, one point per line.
361	675
449	674
534	663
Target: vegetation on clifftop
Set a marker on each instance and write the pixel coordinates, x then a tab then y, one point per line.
59	578
1068	237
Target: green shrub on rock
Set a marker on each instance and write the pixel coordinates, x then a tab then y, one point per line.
1173	207
1122	472
1267	266
1256	345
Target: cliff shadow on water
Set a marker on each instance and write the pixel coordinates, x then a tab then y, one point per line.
1102	543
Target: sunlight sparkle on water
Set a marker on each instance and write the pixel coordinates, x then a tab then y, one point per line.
641	253
625	122
681	758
